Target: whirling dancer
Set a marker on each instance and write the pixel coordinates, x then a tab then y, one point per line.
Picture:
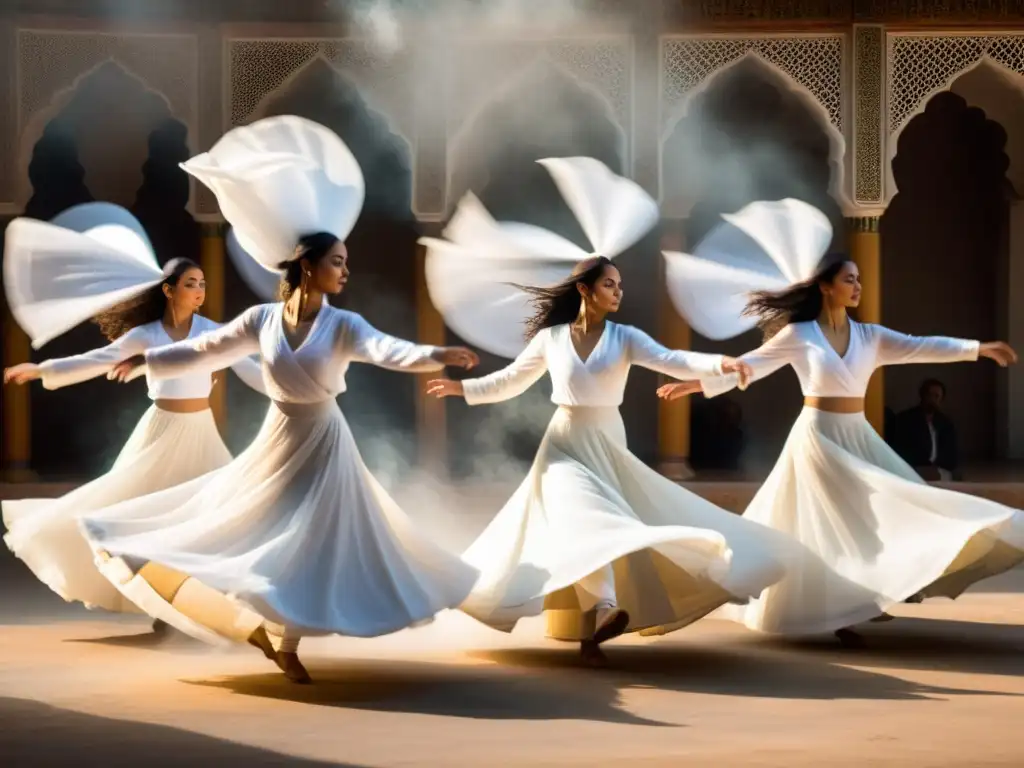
873	532
593	536
295	535
95	261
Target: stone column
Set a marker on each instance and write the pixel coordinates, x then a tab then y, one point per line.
211	259
865	250
674	332
431	422
17	406
431	206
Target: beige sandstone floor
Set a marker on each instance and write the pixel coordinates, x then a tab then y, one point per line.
943	687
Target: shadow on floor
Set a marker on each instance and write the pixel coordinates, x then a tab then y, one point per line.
922	644
144	639
475	691
34	735
734	671
549	684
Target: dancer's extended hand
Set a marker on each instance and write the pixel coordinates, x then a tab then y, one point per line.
999	351
457	357
444	388
126	368
678	389
740	368
22	373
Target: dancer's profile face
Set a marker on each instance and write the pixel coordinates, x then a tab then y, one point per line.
605	295
189	293
844	290
331	272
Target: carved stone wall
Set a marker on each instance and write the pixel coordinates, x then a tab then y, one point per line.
868	90
919	65
484	71
812	63
8	125
51	62
815	62
257	69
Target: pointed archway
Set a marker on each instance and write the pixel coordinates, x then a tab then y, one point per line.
545	112
944	249
380	405
749	135
94	143
161	203
110	113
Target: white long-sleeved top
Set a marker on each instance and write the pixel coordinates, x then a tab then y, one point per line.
821	370
311	373
64	371
598	382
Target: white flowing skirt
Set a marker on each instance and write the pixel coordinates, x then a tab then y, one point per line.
588	502
873	533
164	450
295	529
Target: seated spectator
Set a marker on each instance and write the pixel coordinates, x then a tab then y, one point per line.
925	437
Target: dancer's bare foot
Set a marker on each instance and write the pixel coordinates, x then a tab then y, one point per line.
883	617
261	640
292	668
611	622
592	655
850	639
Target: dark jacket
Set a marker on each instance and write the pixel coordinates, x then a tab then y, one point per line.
913	442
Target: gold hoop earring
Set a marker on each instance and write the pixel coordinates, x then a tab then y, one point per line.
581	318
304	293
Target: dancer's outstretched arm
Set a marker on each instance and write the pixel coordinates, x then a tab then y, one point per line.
368	345
778	351
64	371
210	352
511	381
895	348
678	363
248	369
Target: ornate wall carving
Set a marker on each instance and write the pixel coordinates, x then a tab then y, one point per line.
868	45
50	62
919	65
257	68
430	177
813	61
481	72
945	11
8	127
760	10
479	67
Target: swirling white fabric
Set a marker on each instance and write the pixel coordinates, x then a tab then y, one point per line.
472	274
276	180
766	246
87	260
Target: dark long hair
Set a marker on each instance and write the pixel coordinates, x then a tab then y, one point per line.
312	248
797	304
144	308
561	303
